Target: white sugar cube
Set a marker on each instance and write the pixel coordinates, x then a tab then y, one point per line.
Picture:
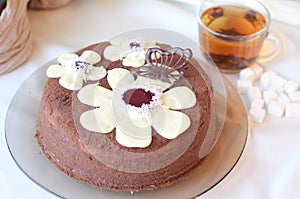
257	115
266	78
258	71
292	110
282	97
295	97
269	96
247	74
276	88
276	108
277	83
258	103
243	85
291	87
253	93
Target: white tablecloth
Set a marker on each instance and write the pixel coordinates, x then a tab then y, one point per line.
270	164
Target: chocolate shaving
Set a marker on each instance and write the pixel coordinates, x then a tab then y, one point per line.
81	66
162	65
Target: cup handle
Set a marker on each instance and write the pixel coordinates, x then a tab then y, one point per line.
271	48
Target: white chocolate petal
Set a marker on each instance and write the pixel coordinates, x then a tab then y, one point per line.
152	83
119	76
67	59
131	134
112	53
125	45
170	124
179	98
99	120
131	128
148	42
118	40
130	141
71	81
139	122
96	73
90	56
95	95
134	59
55	71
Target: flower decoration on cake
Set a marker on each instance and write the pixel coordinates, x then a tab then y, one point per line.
73	69
130	51
134	106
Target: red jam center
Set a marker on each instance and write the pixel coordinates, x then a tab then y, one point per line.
137	97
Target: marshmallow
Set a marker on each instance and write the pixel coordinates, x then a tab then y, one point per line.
258	103
258	70
266	78
269	95
292	110
243	85
295	97
247	74
257	115
276	108
253	93
291	87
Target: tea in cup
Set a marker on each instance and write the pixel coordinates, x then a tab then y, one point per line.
232	32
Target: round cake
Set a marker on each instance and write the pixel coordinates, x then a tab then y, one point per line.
127	114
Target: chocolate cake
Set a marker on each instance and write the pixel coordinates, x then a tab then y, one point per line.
105	158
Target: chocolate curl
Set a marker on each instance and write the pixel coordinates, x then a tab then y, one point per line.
15	37
47	4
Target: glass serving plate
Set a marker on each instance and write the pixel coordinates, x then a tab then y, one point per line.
20	136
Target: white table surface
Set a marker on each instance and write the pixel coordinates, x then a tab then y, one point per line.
270	164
